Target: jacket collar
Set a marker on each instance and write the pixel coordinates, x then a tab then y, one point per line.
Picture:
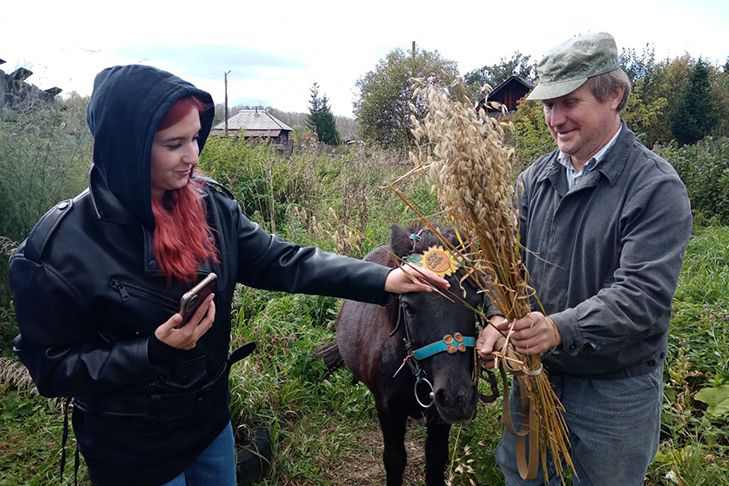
106	204
611	167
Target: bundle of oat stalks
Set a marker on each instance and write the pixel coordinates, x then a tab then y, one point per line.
464	154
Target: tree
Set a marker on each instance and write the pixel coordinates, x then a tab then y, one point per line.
656	103
720	95
639	64
320	119
646	107
494	74
695	116
385	94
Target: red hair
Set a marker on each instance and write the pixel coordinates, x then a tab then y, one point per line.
182	238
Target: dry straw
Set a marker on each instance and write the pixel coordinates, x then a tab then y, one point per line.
471	169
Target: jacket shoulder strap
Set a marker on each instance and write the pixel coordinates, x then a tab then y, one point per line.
218	187
41	233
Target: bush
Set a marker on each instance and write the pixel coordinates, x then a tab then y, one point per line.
44	154
704	168
531	135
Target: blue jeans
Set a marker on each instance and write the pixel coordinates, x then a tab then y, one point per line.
614	428
214	466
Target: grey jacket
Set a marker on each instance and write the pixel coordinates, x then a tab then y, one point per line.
604	257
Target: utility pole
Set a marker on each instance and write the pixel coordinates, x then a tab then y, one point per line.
413	58
226	102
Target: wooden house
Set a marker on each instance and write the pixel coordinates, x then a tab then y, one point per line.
257	126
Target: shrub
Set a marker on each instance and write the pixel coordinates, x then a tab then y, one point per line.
704	168
531	135
44	154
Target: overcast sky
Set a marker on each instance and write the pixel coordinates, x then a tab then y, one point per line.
275	50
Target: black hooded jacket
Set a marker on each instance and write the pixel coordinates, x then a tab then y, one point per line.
89	294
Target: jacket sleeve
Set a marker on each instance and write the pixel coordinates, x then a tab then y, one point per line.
57	343
656	226
268	262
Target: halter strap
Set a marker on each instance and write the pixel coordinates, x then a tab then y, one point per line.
449	344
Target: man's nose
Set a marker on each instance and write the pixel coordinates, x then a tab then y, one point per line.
555	116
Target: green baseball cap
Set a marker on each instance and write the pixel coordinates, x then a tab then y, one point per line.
569	65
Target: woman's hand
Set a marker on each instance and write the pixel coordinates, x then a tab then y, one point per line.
406	279
175	334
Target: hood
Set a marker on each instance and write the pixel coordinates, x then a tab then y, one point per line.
126	107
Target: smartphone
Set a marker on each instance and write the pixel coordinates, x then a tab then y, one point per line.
191	300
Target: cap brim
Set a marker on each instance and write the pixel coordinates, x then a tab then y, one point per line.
546	91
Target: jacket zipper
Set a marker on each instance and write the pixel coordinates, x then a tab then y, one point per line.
125	289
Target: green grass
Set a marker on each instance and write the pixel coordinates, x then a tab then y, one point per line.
30	433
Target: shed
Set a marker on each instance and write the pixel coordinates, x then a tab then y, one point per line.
509	92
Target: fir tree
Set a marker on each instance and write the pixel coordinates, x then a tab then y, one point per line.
695	115
321	120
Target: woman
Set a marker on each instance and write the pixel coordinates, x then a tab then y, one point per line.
97	284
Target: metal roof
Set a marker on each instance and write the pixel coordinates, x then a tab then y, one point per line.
253	120
247	133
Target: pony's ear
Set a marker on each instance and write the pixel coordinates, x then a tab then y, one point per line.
450	235
400	240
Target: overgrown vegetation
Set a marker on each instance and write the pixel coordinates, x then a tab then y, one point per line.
704	168
324	426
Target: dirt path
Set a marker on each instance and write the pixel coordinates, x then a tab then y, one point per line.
365	468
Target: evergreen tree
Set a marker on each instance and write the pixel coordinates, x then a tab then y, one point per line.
695	115
493	74
321	120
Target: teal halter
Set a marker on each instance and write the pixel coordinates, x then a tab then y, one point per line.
450	344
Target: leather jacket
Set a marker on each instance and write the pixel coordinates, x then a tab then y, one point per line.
89	295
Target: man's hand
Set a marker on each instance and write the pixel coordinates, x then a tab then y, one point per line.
408	279
490	339
187	336
533	334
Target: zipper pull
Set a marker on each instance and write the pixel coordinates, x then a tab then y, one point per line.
119	287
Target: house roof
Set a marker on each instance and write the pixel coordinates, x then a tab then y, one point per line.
511	79
253	120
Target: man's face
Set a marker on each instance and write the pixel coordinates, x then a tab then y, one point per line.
580	124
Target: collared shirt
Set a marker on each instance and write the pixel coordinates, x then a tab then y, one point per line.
572	174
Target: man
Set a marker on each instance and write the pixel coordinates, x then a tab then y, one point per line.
604	222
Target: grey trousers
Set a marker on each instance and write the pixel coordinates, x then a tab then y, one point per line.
614	428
